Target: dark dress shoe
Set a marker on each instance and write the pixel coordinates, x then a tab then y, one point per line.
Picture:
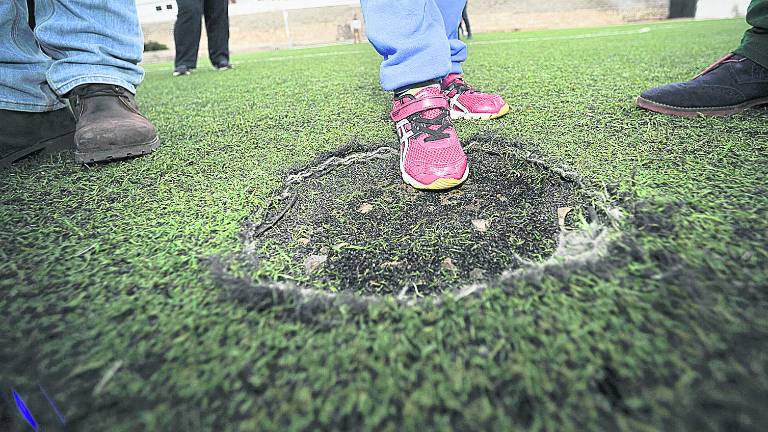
732	85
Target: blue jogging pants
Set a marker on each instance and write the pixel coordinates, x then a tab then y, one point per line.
418	39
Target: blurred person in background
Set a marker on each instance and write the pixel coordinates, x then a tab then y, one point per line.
422	66
464	26
736	82
188	29
86	52
356	27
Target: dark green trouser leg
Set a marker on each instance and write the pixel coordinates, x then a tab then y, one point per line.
755	43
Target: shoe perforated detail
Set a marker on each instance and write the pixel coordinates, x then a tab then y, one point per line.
441	156
472	100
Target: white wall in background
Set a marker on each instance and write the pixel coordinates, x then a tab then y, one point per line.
151	11
707	9
156	10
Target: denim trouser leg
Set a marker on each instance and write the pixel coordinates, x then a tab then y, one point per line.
410	35
90	42
23	85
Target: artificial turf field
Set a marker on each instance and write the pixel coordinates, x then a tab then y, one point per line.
116	301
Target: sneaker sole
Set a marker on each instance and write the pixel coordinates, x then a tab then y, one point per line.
695	112
117	153
439	184
455	115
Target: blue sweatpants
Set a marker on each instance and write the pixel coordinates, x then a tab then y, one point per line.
419	39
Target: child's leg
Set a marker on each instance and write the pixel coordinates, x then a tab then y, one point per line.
451	12
465	102
411	36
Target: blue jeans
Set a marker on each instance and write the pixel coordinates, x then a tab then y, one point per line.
419	39
75	42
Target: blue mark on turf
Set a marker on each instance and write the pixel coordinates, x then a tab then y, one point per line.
23	409
53	405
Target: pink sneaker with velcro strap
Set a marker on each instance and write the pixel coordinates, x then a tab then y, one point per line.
467	102
431	156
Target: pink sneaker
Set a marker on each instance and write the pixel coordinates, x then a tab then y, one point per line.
431	156
467	102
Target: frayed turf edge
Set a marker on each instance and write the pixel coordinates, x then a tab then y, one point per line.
324	164
576	248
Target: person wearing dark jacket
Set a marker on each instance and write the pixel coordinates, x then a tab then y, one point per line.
186	34
736	82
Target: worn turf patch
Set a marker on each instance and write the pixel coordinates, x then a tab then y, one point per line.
347	223
664	329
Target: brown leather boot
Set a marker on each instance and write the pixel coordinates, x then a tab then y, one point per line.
109	124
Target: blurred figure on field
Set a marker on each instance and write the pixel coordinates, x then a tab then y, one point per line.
186	34
356	25
733	84
31	12
464	26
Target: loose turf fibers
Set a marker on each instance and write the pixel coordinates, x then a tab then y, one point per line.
128	293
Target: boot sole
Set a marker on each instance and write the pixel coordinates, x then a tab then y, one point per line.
53	145
117	153
695	112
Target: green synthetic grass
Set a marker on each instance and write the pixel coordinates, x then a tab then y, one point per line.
108	268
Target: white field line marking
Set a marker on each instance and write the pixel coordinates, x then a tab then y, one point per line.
568	37
277	58
304	56
492	42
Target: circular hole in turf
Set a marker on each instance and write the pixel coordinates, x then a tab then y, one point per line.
349	224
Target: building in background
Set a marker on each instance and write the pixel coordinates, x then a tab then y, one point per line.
271	24
709	9
153	11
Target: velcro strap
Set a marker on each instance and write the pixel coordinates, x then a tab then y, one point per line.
419	105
